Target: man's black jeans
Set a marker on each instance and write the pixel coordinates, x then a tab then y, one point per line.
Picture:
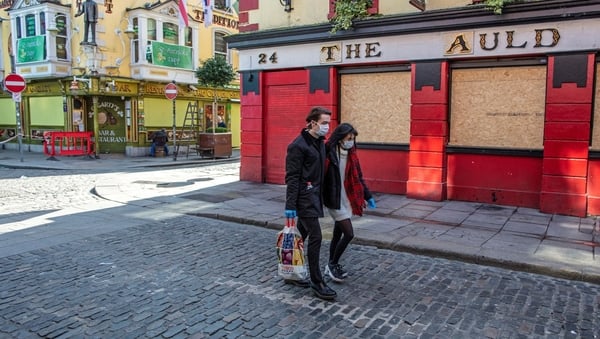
311	228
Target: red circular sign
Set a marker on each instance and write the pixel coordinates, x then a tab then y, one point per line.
14	83
171	91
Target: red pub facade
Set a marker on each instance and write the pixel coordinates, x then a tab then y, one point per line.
456	104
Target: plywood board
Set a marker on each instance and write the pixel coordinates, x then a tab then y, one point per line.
498	107
377	105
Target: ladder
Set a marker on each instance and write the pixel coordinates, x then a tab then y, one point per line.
188	135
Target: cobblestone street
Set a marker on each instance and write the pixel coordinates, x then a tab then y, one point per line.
186	276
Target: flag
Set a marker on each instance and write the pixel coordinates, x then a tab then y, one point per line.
183	15
207	13
232	6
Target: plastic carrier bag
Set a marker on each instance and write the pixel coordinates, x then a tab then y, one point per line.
290	253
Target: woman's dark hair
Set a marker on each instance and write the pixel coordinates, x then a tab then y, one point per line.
339	133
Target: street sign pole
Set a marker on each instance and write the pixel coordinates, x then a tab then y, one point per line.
19	132
171	94
174	133
15	84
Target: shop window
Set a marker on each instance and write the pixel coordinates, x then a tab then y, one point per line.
61	36
188	36
499	107
170	33
42	22
30	25
164	48
151	29
221	45
135	42
384	120
19	28
222	5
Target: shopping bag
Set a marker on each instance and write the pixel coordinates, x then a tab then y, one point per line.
290	253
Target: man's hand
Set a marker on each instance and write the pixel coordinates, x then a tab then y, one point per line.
290	213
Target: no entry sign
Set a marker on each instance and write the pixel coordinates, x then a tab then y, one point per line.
171	91
14	83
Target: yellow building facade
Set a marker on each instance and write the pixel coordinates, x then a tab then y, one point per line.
108	77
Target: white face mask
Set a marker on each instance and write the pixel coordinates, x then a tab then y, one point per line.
323	129
347	144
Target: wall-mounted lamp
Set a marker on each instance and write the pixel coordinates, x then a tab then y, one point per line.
287	5
129	30
192	87
110	86
75	83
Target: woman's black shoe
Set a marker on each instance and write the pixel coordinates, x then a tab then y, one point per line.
323	291
299	283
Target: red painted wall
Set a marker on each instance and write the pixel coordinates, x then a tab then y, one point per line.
569	95
593	187
495	179
389	176
251	153
563	181
428	132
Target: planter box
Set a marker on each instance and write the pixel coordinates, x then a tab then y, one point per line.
219	144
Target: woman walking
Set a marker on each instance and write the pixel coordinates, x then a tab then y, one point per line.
344	194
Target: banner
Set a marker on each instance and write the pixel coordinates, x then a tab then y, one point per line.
170	55
31	49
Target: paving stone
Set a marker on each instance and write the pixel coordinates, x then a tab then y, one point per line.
177	275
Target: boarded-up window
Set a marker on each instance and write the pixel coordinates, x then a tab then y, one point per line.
596	121
377	105
498	107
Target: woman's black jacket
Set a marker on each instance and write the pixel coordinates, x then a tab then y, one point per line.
304	166
332	192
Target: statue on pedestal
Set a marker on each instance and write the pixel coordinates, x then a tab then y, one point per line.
90	11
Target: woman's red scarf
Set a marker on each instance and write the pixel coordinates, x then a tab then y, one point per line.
352	183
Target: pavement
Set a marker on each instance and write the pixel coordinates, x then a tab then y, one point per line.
516	238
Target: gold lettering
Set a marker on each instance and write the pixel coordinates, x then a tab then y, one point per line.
482	42
510	38
371	47
329	50
540	32
459	42
349	51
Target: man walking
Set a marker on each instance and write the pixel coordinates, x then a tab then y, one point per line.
304	173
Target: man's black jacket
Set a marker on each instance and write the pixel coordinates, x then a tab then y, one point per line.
304	166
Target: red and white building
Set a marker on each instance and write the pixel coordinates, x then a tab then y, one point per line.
450	104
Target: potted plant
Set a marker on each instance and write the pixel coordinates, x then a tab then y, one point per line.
215	73
346	11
